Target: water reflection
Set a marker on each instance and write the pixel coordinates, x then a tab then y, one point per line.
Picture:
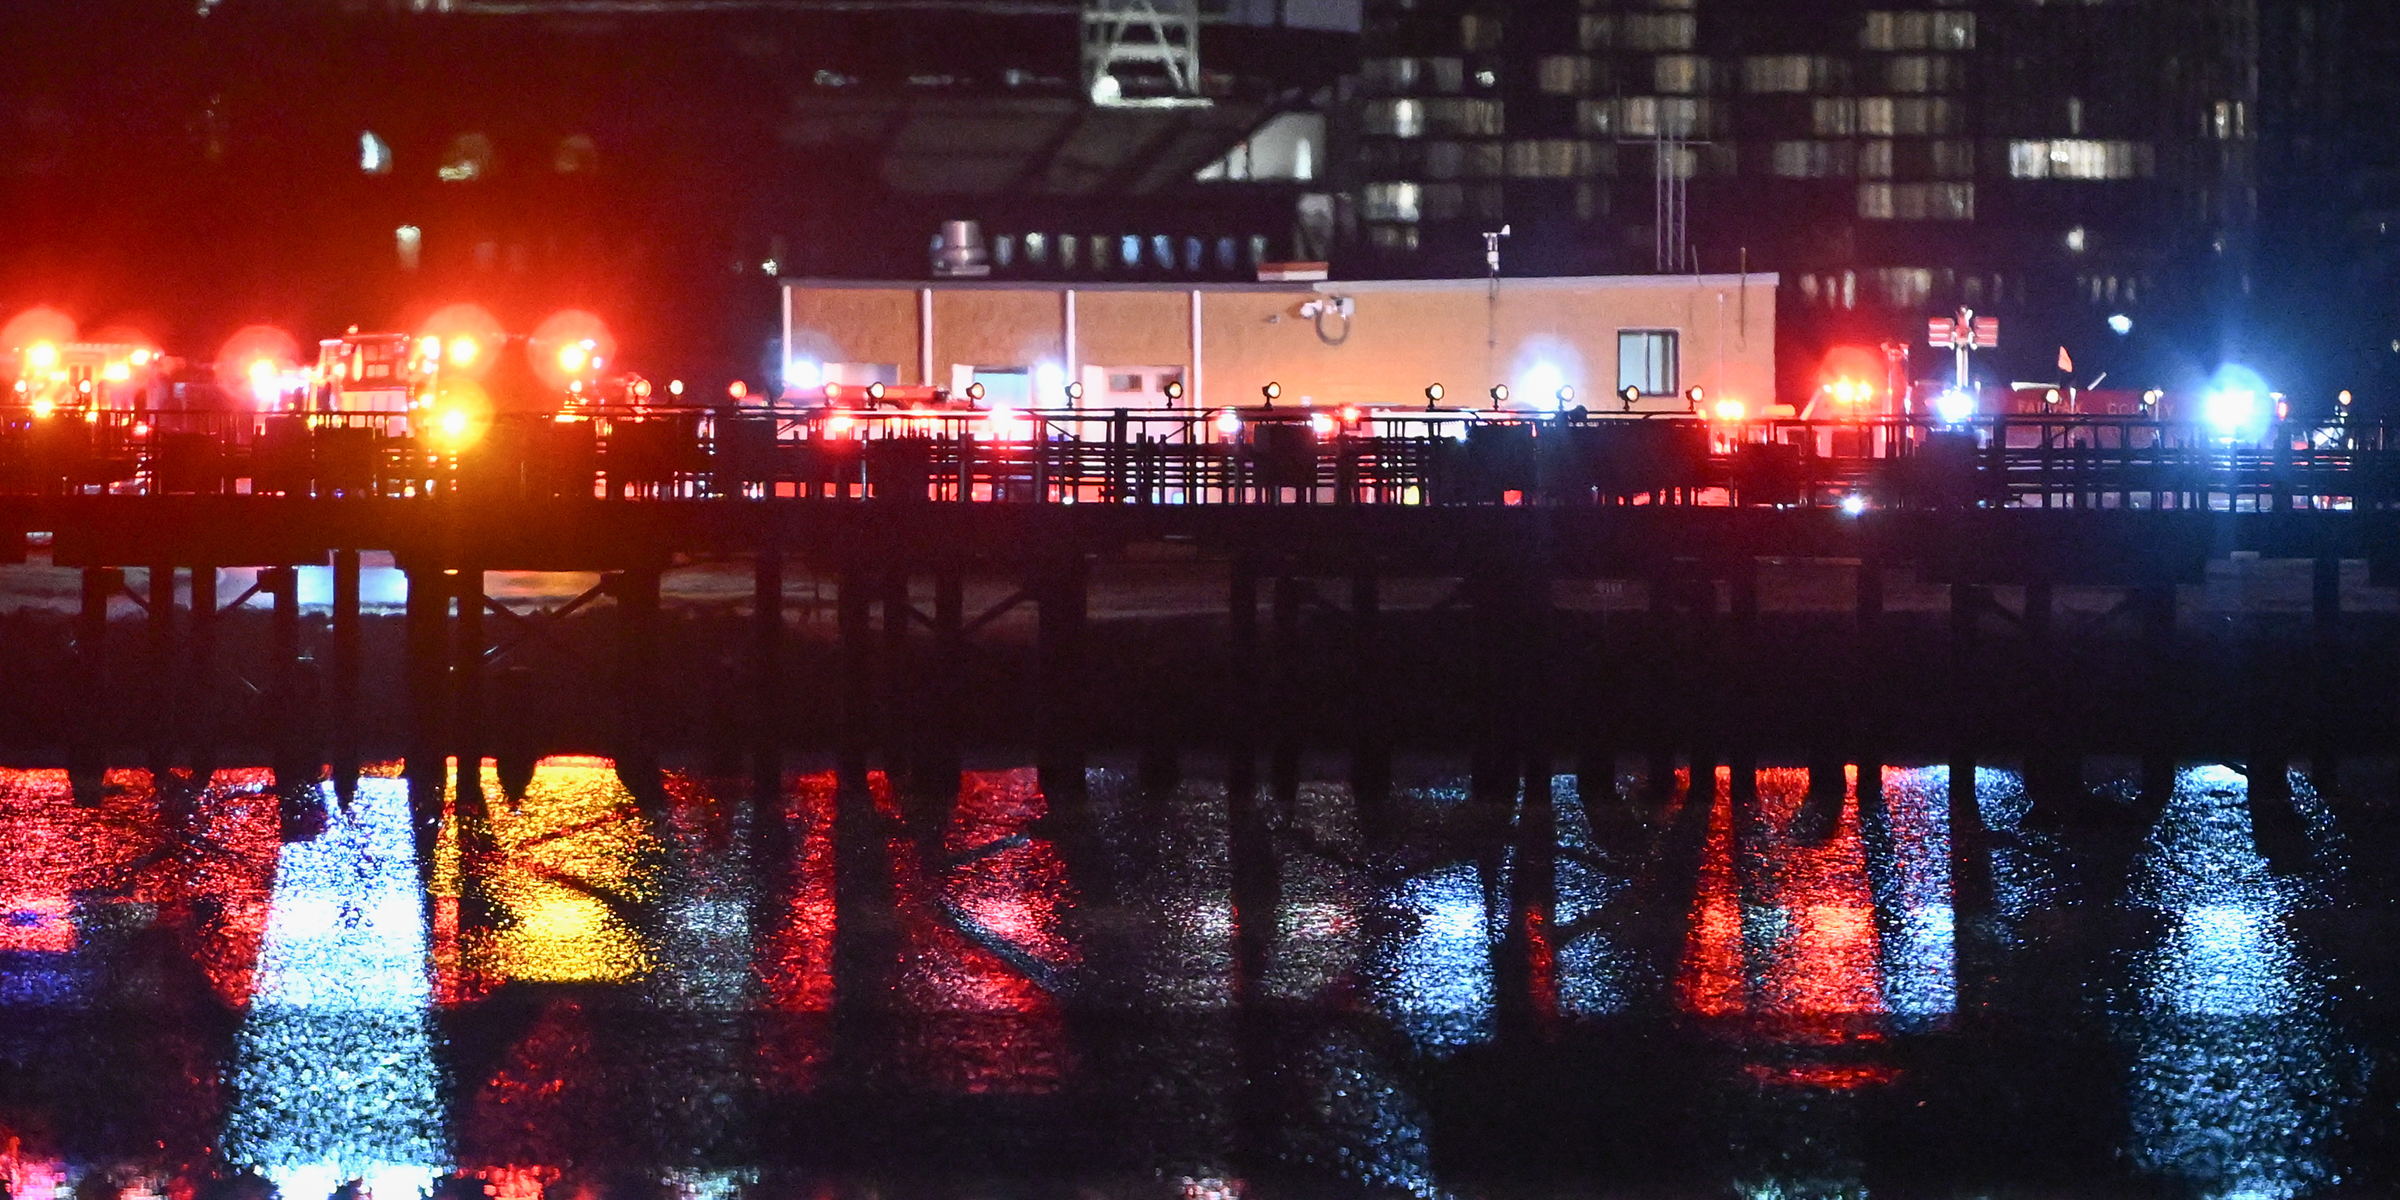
2241	1082
584	994
334	1073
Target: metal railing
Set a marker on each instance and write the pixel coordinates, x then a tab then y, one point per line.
1278	455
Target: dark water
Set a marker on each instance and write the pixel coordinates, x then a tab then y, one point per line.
1716	998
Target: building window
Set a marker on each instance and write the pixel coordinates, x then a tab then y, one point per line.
1916	201
1394	118
1653	116
1646	361
1810	160
1953	159
1918	31
1681	74
1479	31
1769	73
1921	73
1656	31
1885	116
2080	158
1875	160
1834	117
1550	158
1564	74
1392	202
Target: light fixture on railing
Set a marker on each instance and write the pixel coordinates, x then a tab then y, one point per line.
1499	393
1433	395
975	393
1174	390
1271	391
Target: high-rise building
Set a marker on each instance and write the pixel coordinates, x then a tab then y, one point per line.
2079	170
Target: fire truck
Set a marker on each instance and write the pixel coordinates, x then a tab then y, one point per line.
84	376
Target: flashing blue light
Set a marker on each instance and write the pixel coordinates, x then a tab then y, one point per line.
1954	407
1854	504
802	373
2236	403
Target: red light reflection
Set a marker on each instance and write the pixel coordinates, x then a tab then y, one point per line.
1802	966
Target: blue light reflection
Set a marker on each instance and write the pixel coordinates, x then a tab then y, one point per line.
334	1071
2240	1080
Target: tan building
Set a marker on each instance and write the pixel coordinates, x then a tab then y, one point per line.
1369	343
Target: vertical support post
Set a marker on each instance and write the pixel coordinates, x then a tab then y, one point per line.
855	659
348	666
161	697
944	686
766	695
1370	736
637	677
1192	392
2331	673
294	717
1283	754
1062	601
466	703
427	637
201	682
865	924
896	731
85	740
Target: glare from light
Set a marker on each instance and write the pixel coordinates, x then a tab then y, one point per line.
674	387
2228	409
44	407
571	358
1321	424
42	356
1049	382
429	348
1542	382
1731	410
462	351
141	358
1229	422
803	373
1854	504
1954	407
2120	324
116	372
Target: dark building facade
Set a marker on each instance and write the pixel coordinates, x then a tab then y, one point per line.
2057	165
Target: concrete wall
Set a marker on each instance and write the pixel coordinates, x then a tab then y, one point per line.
1535	335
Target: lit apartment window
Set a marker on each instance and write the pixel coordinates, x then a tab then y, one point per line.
1903	287
1918	31
1875	160
1464	117
1596	116
1767	73
1953	158
1479	31
1646	361
1836	117
1653	116
1444	160
1550	158
1885	116
1920	73
1564	74
1916	201
1809	160
1681	74
1657	31
1394	118
1400	201
2080	158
